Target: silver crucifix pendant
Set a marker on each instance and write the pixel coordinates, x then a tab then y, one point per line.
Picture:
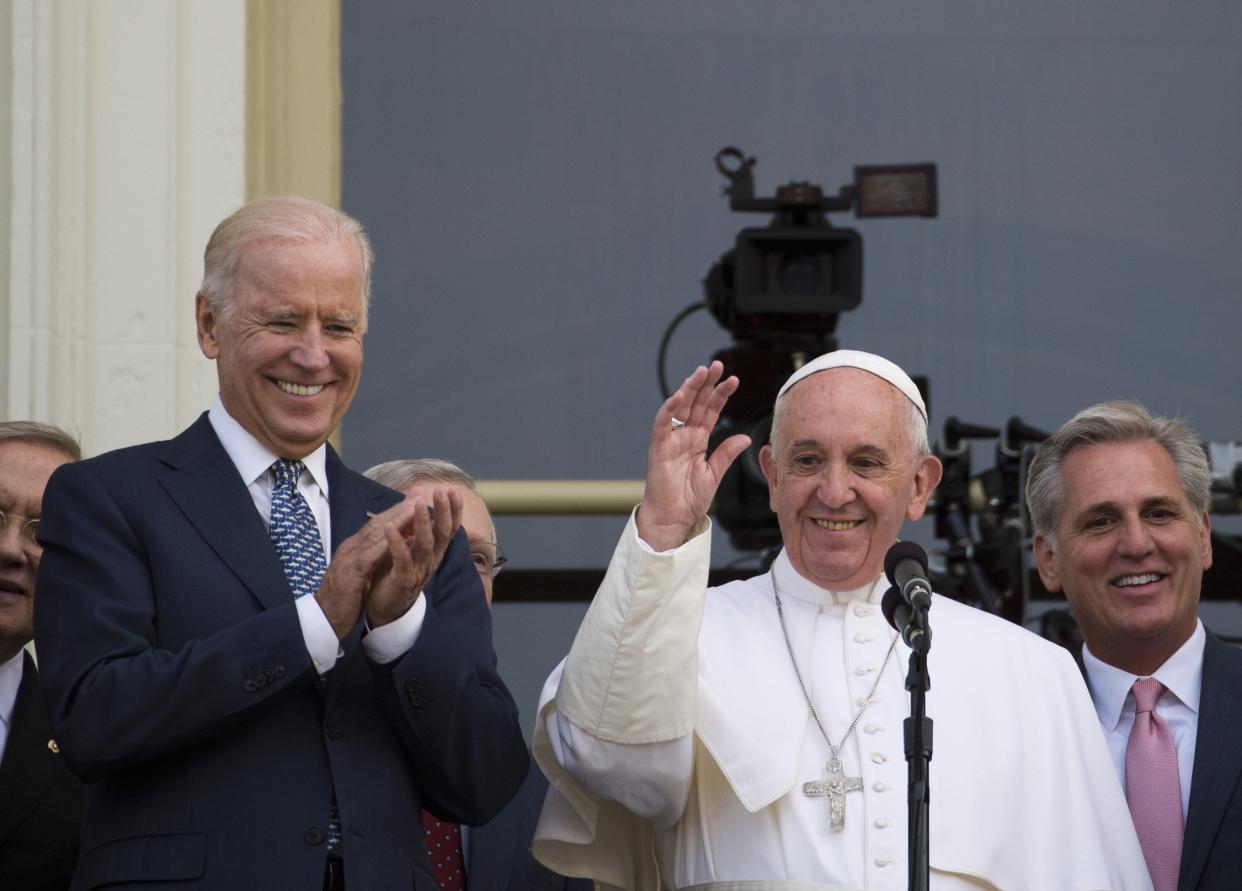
833	787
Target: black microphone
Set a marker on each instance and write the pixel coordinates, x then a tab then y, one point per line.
901	616
905	564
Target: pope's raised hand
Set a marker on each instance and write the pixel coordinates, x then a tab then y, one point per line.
682	477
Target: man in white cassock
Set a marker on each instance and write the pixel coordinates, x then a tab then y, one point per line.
750	736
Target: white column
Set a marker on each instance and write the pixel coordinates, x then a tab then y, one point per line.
127	146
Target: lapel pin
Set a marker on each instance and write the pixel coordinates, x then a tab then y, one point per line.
53	747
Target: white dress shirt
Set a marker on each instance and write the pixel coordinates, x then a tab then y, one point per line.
1181	674
10	681
253	461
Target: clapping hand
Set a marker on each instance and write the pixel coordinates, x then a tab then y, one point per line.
384	566
681	477
413	558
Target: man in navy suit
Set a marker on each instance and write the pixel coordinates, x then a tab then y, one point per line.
235	733
498	852
40	800
1119	501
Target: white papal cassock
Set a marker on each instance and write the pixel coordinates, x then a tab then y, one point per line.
677	742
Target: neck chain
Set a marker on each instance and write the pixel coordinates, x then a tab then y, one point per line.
835	783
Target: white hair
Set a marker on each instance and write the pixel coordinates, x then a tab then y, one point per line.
286	218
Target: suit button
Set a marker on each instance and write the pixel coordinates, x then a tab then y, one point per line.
260	681
332	731
249	686
314	836
416	692
278	671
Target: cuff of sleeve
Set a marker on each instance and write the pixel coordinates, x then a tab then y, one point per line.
321	642
390	642
631	675
699	528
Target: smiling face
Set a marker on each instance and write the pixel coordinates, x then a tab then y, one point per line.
842	477
1129	552
24	471
289	350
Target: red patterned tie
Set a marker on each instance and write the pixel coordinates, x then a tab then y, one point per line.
1153	788
444	848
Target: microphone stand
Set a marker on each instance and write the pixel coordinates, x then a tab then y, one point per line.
918	739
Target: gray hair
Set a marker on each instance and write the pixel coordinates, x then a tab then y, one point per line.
45	435
916	424
286	218
1112	422
405	472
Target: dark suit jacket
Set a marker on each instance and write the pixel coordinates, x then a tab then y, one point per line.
499	852
40	800
178	683
1212	850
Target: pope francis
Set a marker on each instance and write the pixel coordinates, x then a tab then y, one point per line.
749	737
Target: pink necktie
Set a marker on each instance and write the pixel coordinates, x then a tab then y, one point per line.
1153	788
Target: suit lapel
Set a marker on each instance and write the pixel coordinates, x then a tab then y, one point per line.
28	768
1217	766
202	480
351	497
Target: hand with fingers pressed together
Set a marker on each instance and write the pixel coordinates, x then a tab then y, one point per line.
414	551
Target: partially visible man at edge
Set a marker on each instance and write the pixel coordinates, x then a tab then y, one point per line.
1119	501
40	800
250	714
687	732
498	856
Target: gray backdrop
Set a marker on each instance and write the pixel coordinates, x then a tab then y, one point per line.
538	181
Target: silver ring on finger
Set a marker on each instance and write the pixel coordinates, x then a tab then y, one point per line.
678	423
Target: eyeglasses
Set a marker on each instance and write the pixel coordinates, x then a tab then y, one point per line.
28	528
487	557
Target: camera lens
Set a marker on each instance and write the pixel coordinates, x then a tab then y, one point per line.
799	274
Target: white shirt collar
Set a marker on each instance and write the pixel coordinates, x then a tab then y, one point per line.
253	459
10	681
1181	674
790	582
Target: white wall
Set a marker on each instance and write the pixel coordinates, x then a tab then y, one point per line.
125	134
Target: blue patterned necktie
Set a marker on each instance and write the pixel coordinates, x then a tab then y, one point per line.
294	530
295	534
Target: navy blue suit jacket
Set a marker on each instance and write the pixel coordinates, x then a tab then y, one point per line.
40	800
178	684
499	852
1212	850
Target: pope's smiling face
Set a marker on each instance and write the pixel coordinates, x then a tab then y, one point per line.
289	348
842	477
